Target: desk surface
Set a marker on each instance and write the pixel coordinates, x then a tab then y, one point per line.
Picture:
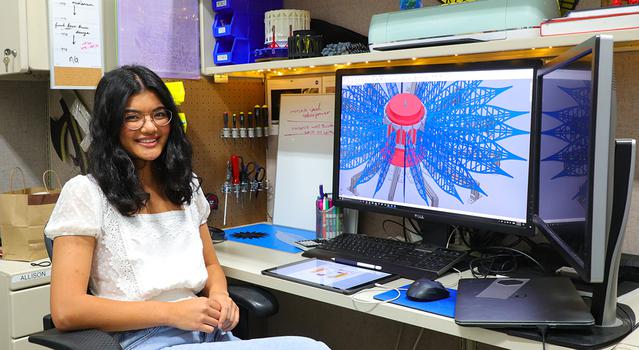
245	262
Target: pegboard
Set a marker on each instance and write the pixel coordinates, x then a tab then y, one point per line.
204	105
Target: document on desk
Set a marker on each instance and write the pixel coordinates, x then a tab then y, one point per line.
329	275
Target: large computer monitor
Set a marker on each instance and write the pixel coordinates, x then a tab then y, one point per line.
444	143
576	148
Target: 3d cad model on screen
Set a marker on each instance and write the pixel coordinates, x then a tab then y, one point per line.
564	146
445	144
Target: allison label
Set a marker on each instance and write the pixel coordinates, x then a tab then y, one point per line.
36	275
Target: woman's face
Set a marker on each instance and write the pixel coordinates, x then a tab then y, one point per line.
147	142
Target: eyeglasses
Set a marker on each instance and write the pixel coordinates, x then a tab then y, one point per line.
135	121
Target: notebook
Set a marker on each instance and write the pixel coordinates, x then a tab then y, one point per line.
520	302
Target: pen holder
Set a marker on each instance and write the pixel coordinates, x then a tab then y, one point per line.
328	223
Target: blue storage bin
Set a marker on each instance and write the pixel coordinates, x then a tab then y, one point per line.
238	25
233	51
256	6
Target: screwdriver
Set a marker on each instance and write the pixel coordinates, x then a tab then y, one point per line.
227	188
235	167
258	121
264	114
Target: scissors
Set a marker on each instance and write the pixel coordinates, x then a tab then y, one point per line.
258	173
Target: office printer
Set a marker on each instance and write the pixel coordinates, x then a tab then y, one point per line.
479	20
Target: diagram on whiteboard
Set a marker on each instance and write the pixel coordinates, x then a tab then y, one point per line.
435	143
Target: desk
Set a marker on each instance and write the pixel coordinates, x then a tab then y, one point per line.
245	262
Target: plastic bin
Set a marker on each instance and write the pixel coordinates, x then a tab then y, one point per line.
237	25
246	5
232	51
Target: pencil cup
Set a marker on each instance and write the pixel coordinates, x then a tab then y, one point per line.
328	223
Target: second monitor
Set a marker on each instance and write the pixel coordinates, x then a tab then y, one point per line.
445	143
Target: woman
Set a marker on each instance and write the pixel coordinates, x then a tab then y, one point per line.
134	231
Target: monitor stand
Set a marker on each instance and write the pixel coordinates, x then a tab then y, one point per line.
612	320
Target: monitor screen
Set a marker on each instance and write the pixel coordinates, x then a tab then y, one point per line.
446	143
575	152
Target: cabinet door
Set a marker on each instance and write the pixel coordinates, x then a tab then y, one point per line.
13	37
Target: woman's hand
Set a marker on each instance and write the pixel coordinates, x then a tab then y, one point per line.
229	312
195	314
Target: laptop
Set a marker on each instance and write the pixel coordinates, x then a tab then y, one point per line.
520	302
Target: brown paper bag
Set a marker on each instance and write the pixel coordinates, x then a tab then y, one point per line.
23	215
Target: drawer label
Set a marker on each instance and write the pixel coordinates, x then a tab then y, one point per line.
221	30
222	57
31	276
220	3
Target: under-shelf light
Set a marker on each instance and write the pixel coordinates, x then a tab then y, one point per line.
414	58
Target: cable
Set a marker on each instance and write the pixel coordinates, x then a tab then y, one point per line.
452	234
380	286
421	331
543	330
502	261
415	227
399	335
404	228
396	223
45	263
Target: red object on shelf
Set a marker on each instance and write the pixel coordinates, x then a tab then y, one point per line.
616	3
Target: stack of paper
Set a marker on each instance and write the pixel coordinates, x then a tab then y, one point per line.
597	20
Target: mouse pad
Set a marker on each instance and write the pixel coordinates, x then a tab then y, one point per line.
443	307
269	236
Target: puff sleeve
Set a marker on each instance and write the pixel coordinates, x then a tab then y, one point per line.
78	211
202	205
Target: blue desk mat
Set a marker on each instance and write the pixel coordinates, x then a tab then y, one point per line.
274	236
443	307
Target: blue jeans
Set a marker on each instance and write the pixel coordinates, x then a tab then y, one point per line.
176	339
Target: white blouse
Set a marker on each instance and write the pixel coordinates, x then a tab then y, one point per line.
142	257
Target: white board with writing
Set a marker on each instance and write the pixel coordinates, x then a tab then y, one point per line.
304	157
76	43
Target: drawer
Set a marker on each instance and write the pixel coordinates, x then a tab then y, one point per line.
26	309
23	344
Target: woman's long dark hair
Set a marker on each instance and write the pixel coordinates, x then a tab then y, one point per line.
112	166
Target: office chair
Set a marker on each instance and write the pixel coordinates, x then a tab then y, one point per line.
251	300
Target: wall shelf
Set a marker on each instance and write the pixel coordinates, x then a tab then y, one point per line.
625	40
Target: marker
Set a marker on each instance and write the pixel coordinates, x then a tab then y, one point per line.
356	263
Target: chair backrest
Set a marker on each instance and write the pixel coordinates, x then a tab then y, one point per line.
48	243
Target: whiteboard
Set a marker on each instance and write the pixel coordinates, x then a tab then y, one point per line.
76	46
304	157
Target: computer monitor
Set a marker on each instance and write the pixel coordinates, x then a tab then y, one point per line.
576	147
444	143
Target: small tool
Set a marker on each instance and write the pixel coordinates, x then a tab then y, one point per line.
258	121
250	126
242	128
264	114
235	168
226	188
234	131
260	173
226	132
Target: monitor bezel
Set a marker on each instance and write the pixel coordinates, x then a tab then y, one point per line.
592	266
434	215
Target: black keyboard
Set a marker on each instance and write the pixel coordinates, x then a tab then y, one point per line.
408	260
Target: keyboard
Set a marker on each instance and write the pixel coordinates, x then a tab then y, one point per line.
409	260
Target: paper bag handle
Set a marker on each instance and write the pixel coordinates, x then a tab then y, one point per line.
13	171
44	181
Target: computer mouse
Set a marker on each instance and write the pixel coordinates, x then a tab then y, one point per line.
425	289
